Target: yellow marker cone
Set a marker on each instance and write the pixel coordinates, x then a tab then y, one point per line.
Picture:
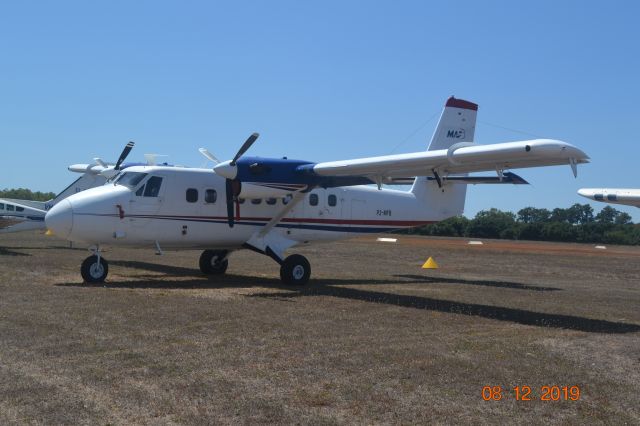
430	264
48	232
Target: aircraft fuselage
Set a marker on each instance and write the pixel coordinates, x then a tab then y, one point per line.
189	211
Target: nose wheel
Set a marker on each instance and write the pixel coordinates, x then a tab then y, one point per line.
295	270
214	262
94	269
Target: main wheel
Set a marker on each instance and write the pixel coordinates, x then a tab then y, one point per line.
214	262
93	271
295	270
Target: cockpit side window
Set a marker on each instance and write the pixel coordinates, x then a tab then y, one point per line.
10	207
153	185
1	206
130	179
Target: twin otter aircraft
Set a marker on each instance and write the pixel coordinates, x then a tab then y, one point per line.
270	205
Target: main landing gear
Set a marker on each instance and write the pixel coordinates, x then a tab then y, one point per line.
95	268
295	270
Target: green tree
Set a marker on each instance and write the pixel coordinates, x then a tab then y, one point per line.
610	215
26	194
580	214
491	223
533	215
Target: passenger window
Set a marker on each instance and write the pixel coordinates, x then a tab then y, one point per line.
19	209
1	206
10	207
333	200
210	196
313	199
271	201
192	195
286	199
240	200
612	197
153	187
256	201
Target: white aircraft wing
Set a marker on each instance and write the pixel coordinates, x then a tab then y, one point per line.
626	196
460	158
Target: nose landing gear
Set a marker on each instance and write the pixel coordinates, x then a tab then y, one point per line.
95	268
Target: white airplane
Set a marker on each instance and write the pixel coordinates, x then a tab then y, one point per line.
270	205
25	215
629	197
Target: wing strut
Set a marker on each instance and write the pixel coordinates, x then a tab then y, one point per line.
272	243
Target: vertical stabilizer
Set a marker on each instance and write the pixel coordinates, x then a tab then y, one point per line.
457	124
86	181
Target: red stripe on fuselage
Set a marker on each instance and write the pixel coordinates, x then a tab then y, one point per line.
308	220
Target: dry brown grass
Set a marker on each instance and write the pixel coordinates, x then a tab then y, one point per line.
372	339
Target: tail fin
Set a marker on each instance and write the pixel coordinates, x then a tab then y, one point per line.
457	124
86	181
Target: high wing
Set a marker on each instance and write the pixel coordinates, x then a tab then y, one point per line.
459	158
505	178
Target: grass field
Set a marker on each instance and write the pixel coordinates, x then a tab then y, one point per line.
373	338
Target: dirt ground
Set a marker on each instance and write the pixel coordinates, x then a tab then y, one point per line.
372	339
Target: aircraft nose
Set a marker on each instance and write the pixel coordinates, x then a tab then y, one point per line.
60	219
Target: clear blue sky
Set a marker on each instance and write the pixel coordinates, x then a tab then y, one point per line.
322	81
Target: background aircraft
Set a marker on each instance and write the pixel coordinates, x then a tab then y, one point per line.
629	197
25	215
269	205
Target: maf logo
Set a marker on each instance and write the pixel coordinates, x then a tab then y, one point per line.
456	134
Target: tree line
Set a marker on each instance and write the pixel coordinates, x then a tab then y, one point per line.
577	223
26	194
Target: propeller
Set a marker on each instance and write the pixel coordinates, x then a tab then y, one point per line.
230	199
125	152
245	146
209	156
229	171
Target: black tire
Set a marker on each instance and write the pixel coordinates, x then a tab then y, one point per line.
94	272
214	262
295	270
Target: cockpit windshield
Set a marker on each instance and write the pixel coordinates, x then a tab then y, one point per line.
130	179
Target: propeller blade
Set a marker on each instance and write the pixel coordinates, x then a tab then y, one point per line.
127	149
245	146
208	155
229	195
99	162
